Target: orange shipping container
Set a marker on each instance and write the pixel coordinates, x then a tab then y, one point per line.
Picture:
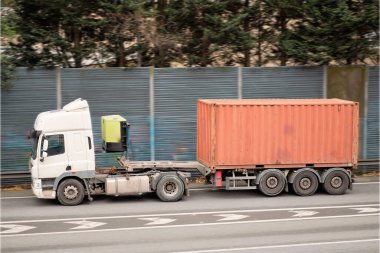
277	133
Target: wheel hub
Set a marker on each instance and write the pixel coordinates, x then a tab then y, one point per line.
71	192
305	183
170	188
336	182
272	182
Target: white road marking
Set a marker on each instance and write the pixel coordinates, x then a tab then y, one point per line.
14	228
86	224
281	246
195	225
367	209
23	197
303	213
157	221
368	183
193	213
229	217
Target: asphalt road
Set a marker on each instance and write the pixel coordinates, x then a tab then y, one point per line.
207	221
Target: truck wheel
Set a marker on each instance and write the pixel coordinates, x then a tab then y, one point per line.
170	188
70	192
305	183
336	183
272	182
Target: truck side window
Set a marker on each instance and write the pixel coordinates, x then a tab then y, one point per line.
56	144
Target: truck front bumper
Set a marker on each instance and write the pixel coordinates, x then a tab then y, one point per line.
43	194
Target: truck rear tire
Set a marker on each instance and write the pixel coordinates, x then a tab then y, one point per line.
336	183
272	182
170	188
70	192
305	183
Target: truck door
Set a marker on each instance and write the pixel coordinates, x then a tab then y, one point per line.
77	152
56	161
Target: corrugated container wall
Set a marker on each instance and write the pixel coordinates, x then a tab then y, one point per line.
277	133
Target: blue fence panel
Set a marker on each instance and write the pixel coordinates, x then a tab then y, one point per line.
283	82
373	113
176	95
33	91
109	91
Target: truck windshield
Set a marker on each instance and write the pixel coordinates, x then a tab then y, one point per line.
34	136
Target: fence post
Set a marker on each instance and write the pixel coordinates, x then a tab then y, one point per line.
151	114
324	88
240	83
58	86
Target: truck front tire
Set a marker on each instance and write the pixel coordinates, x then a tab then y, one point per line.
70	192
170	188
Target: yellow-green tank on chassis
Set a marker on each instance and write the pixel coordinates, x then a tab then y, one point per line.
114	133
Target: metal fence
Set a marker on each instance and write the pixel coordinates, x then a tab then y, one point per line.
160	104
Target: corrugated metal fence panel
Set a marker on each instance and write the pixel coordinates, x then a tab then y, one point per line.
113	91
283	82
373	113
176	95
33	92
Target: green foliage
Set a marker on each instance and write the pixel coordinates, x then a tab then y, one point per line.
334	31
192	32
7	72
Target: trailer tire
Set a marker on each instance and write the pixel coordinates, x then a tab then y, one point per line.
170	188
272	182
70	192
336	183
305	183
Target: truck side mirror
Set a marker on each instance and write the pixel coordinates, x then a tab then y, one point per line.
45	145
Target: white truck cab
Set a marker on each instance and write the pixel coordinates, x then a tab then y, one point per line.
62	148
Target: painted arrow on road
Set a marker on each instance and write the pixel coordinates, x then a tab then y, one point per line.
230	217
303	213
157	221
86	224
14	228
366	209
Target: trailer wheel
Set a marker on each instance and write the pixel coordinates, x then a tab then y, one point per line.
305	183
272	182
336	183
170	188
70	192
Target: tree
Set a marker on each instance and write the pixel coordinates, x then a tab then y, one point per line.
56	32
122	36
283	15
8	33
7	72
334	31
